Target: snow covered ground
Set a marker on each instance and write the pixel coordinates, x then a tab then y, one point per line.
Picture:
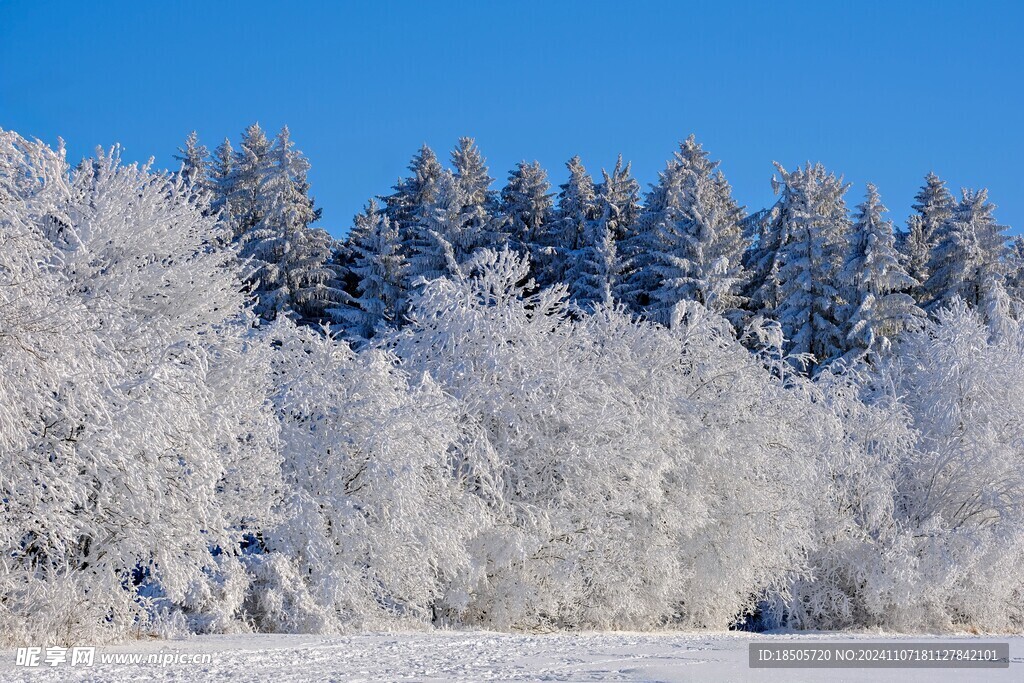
484	656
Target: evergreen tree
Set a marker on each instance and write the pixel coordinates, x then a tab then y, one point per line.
379	268
1015	271
437	232
594	275
934	204
472	174
478	201
222	179
289	260
969	259
700	254
577	208
661	209
815	226
244	203
195	167
916	251
527	210
412	194
875	282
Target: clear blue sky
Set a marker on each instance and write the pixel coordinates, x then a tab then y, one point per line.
879	91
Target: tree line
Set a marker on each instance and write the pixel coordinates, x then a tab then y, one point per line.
840	284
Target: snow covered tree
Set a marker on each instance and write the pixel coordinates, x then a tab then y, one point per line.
968	259
595	266
379	268
138	451
700	252
472	175
934	204
243	202
1015	271
874	282
814	224
527	207
475	227
195	167
382	511
438	235
639	249
288	259
222	181
584	540
412	194
577	208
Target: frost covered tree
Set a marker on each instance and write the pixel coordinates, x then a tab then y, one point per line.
577	208
438	235
195	166
968	260
222	179
139	449
699	250
473	177
584	540
1015	270
241	189
413	193
379	268
381	513
811	229
288	260
874	281
476	222
527	207
595	266
639	249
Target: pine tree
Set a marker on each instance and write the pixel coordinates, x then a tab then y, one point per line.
222	179
244	203
478	201
411	194
195	167
934	204
289	260
472	174
661	209
595	269
577	208
969	259
1015	271
527	209
436	233
379	269
700	254
815	224
875	283
916	251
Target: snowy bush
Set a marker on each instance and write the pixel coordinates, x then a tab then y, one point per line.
643	469
388	487
136	442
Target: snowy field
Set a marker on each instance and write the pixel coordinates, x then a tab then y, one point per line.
483	656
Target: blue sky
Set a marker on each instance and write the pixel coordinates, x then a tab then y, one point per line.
879	91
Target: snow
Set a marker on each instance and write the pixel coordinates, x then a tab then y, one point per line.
487	656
